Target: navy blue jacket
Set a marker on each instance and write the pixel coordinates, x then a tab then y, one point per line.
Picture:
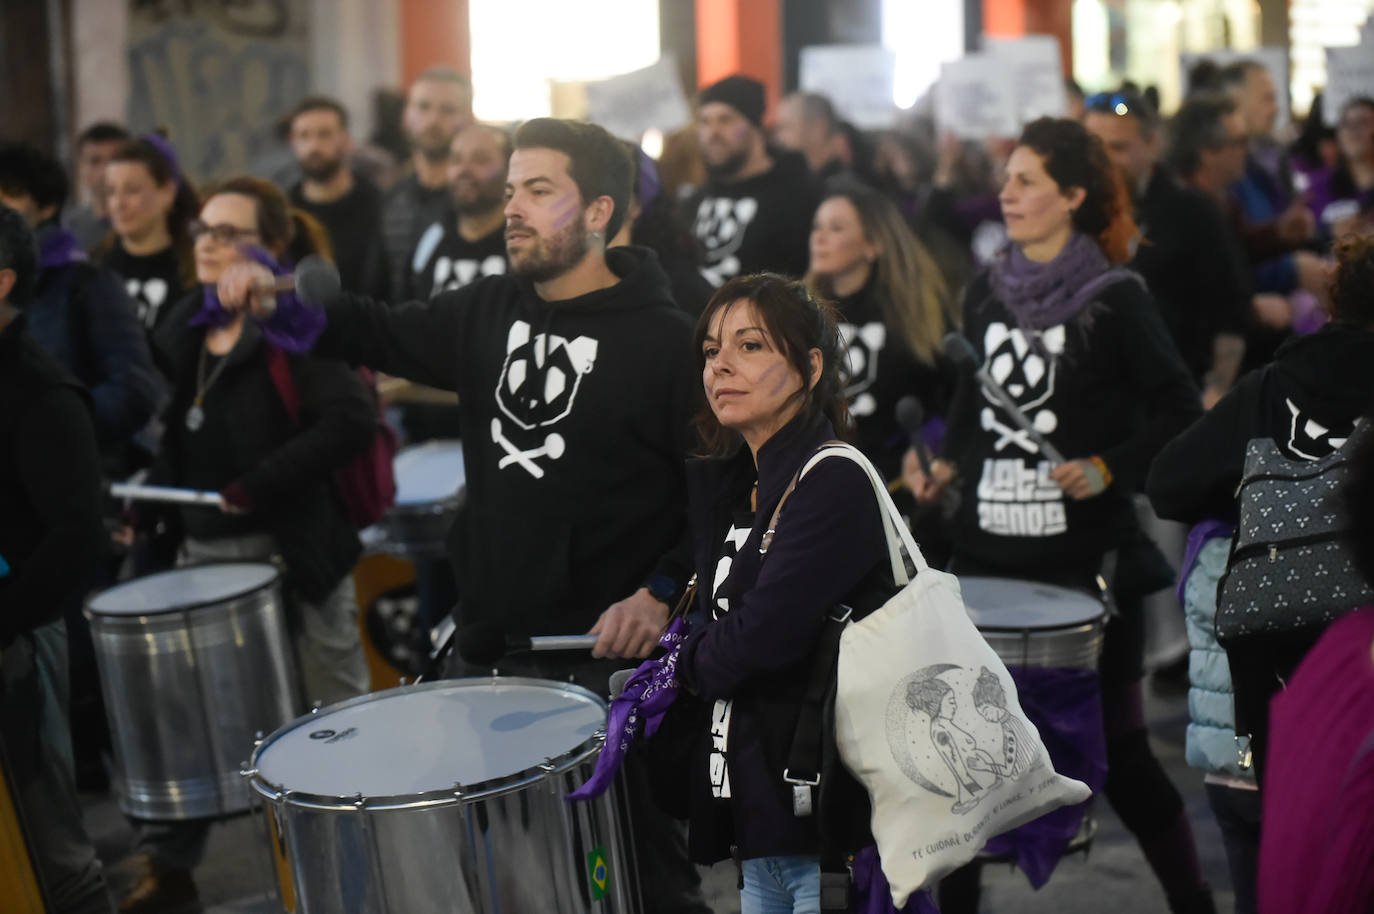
84	319
828	549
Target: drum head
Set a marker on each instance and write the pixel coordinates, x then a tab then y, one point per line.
1009	604
183	588
425	739
429	472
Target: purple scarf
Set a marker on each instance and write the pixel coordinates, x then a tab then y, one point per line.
1045	295
646	698
57	247
294	326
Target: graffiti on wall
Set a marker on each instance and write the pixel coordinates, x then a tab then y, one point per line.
217	74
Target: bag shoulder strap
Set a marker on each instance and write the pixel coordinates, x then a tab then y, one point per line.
280	369
898	536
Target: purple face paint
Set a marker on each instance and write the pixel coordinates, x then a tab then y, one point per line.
782	381
564	211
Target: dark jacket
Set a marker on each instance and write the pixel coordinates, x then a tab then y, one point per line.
281	473
81	315
757	656
577	414
51	533
1194	266
1114	388
1307	402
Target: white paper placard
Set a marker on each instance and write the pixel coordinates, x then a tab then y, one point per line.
973	99
1037	73
1273	59
857	78
1349	73
629	104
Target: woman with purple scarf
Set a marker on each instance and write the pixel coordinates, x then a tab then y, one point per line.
229	430
1079	346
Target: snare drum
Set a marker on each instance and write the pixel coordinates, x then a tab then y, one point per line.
446	796
1030	624
193	663
430	484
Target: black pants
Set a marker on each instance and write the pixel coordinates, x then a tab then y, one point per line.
1237	812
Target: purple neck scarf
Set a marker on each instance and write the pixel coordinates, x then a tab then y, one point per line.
294	326
1045	295
57	247
646	698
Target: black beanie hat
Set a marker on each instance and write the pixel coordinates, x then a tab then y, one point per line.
743	94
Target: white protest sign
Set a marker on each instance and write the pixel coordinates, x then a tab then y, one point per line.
1037	73
1273	59
629	104
857	78
974	98
1349	74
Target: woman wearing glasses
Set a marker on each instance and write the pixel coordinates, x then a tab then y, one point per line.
151	205
228	431
1078	345
1342	198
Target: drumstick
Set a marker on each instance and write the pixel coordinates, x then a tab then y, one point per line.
482	644
166	494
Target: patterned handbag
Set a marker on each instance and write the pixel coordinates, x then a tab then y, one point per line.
1289	566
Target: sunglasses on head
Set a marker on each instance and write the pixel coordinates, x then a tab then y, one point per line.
1111	103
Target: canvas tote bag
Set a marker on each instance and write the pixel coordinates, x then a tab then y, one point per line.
927	719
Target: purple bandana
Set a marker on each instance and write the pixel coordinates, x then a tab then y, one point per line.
1045	295
57	247
873	894
646	698
294	326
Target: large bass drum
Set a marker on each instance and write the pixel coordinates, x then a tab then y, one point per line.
446	796
194	663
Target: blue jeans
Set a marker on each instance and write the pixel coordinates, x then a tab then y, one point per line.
781	885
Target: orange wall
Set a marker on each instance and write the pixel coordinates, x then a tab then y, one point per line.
1008	18
740	36
434	33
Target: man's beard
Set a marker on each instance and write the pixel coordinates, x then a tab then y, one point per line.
728	168
552	258
432	146
322	169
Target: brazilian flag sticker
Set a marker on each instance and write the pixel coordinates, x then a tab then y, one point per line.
599	872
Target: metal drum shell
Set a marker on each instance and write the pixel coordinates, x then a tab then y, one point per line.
512	843
1075	646
415	531
187	690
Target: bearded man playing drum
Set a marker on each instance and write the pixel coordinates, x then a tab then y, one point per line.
51	543
576	381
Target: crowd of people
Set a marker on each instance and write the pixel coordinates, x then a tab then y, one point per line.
1152	293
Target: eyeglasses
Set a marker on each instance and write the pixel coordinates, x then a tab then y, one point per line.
1111	103
224	234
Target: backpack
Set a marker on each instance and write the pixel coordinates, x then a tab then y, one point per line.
367	483
1289	567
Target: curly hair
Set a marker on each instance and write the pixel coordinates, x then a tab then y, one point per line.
1352	288
1073	157
926	695
798	323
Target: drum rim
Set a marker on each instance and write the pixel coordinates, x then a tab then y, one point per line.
451	796
1100	619
275	579
449	504
1095	623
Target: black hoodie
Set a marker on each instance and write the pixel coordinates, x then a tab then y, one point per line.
760	224
575	447
1307	401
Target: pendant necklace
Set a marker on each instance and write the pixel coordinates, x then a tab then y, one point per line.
195	416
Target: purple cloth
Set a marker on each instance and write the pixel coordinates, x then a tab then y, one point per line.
1308	316
57	247
164	148
1066	707
294	326
1045	295
873	894
1197	538
639	707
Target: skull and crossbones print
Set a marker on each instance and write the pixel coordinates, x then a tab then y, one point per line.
537	388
